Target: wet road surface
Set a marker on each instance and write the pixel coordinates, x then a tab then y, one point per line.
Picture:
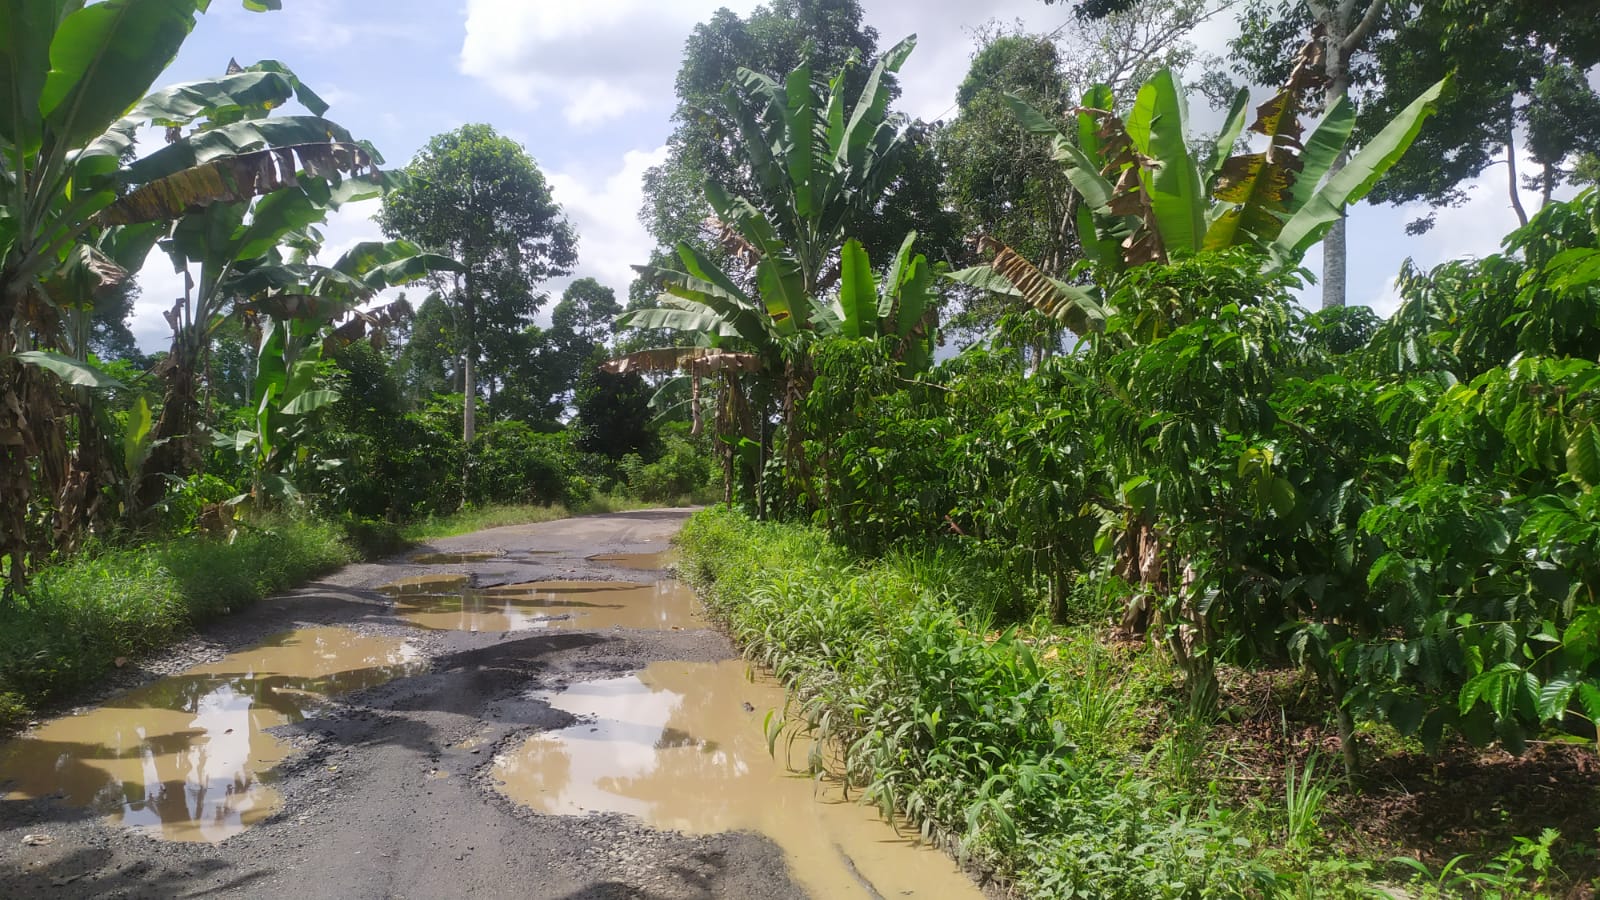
521	712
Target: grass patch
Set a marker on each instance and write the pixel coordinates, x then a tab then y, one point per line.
1062	765
67	630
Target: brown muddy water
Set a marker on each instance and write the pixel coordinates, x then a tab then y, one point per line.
643	562
681	746
187	758
449	603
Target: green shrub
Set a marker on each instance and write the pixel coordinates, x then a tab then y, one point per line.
78	618
512	463
179	511
683	470
373	538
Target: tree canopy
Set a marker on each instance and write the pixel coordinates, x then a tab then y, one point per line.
480	197
1519	87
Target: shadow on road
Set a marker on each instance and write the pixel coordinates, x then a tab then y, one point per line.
83	873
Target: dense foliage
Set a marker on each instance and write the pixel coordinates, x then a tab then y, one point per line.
1407	510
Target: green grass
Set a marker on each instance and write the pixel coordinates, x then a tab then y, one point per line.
1063	766
71	625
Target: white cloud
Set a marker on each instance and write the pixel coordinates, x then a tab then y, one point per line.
605	211
600	60
946	33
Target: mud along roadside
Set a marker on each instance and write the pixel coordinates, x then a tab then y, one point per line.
386	793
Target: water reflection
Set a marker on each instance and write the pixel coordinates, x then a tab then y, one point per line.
680	746
447	603
186	757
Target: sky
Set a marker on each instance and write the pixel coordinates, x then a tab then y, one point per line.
586	87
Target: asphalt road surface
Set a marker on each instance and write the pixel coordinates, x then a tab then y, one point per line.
386	791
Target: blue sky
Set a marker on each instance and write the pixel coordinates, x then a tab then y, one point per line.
587	88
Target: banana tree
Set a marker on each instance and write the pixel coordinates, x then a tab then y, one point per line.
296	308
818	168
71	77
1145	198
820	164
307	168
713	310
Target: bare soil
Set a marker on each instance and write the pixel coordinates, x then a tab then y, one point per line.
1465	800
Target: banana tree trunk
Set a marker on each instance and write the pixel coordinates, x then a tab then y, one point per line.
173	450
15	481
87	472
17	445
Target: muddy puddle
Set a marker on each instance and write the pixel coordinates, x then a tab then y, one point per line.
448	603
643	562
186	758
455	559
681	746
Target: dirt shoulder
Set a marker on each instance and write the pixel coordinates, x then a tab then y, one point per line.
387	793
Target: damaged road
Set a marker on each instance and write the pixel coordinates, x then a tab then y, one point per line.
388	791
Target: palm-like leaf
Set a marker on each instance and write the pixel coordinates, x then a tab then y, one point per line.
693	360
1074	307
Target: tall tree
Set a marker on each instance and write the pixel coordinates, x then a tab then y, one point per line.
1274	27
613	412
585	313
429	361
110	337
1121	43
480	198
1002	180
705	145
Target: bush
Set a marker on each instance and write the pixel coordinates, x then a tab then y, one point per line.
512	463
75	620
682	471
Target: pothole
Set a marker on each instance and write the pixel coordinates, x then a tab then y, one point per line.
644	562
187	758
681	746
455	559
449	604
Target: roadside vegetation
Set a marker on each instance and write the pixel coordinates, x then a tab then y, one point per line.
108	605
1058	762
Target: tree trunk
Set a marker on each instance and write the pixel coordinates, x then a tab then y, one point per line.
1335	246
1344	36
469	369
1511	167
1347	730
172	439
1334	254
